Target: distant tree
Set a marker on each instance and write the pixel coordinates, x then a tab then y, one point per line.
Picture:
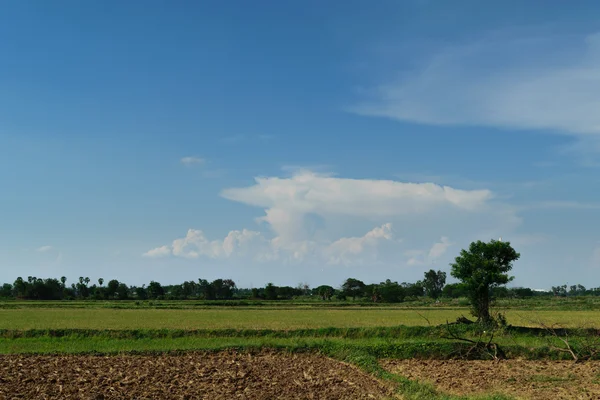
270	291
455	290
140	292
6	290
155	290
326	292
434	283
111	288
500	292
206	289
100	281
305	289
520	292
374	290
481	268
413	289
353	288
577	290
63	280
559	290
189	289
391	292
20	288
122	292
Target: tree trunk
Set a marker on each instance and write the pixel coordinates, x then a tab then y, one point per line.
483	308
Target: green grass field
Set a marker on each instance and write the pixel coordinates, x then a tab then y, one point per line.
259	318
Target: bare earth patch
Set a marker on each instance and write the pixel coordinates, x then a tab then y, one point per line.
223	375
519	378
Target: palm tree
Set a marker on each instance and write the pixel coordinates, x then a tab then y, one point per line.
100	281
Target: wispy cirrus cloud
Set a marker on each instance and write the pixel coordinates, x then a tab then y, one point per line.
189	161
44	249
509	80
563	204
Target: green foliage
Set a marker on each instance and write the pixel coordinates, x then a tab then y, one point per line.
455	290
434	283
270	291
325	292
391	292
481	268
353	288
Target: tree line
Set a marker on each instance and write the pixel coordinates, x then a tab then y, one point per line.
433	285
482	270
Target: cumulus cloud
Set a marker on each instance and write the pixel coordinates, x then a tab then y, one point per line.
427	257
438	249
158	252
253	245
507	80
318	220
189	161
44	249
288	200
195	244
352	250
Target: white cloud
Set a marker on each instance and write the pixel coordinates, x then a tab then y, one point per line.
44	249
321	220
254	246
195	244
439	249
504	80
427	257
158	252
189	161
288	200
352	249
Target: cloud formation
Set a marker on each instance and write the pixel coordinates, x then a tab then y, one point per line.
357	250
287	201
44	249
189	161
254	246
427	257
508	80
195	244
320	220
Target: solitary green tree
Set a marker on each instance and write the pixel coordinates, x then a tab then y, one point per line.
481	268
434	283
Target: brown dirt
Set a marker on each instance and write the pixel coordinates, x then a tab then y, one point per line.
522	379
224	375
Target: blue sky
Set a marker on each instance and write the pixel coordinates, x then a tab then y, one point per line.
297	141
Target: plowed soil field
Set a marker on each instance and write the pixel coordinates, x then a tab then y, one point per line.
519	378
223	375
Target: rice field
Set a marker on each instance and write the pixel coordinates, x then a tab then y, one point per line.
260	318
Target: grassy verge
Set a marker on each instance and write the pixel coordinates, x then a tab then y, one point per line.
400	342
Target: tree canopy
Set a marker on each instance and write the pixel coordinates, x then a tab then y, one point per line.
481	268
